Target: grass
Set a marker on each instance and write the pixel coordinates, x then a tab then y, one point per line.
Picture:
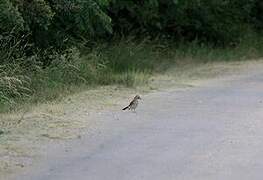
124	62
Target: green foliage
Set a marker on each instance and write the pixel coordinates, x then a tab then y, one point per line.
135	15
10	18
257	15
62	23
37	14
79	19
214	21
51	23
209	20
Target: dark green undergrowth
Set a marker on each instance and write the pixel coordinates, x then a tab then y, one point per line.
50	48
126	62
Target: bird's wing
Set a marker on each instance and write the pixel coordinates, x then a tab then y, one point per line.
131	103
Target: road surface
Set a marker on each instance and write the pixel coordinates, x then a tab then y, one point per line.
210	132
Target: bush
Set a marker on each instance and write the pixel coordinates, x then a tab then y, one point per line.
61	24
76	20
214	21
51	23
10	18
257	15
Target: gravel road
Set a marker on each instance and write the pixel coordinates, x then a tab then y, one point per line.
210	132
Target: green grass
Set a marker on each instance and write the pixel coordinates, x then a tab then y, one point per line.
123	62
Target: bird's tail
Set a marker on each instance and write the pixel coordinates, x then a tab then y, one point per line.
125	108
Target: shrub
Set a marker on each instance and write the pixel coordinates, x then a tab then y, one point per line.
214	21
10	17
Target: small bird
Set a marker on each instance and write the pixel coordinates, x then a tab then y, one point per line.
133	104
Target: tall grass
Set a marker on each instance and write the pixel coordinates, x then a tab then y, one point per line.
13	81
125	62
12	84
250	47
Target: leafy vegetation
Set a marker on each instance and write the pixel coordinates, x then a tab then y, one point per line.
49	47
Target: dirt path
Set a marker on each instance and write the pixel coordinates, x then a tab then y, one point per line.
209	131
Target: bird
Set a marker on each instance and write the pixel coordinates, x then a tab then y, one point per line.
133	104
